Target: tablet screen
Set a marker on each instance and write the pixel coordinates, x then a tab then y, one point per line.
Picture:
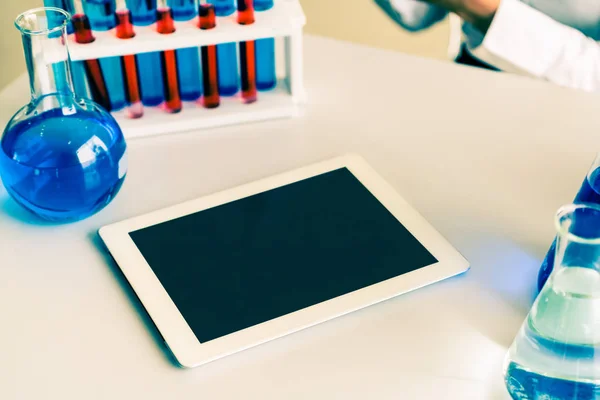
261	257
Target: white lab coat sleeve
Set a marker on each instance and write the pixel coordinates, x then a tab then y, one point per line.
529	41
412	15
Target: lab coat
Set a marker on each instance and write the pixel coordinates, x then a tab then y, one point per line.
556	40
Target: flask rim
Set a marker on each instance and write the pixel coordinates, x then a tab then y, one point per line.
562	226
47	31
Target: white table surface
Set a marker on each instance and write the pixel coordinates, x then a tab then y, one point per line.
486	157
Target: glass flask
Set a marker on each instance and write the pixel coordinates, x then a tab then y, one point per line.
588	193
62	158
556	354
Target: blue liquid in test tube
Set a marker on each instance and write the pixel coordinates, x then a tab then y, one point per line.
112	71
143	12
223	8
66	5
101	14
188	60
262	5
151	78
229	77
80	83
183	10
265	64
190	73
266	78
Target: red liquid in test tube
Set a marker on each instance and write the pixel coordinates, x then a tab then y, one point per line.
245	16
83	35
165	25
132	85
210	77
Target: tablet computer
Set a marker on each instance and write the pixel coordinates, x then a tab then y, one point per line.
247	265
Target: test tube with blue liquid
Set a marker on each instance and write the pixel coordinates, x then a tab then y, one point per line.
67	5
150	74
101	14
266	78
188	60
227	53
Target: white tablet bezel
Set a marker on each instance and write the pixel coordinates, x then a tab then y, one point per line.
180	338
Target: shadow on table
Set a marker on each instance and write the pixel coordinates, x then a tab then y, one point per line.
503	280
135	301
13	210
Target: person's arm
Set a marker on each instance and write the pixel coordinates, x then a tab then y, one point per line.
530	41
412	15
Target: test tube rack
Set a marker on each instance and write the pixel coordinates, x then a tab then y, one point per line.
285	20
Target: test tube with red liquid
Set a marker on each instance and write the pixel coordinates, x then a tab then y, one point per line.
210	77
165	25
245	16
83	35
124	30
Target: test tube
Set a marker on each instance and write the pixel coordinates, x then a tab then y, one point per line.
229	76
165	26
83	35
266	77
66	5
125	30
183	10
223	8
211	98
245	16
142	11
101	17
263	5
188	60
101	14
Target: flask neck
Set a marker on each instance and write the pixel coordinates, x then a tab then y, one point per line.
578	237
44	36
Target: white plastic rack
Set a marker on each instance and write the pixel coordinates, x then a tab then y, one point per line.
285	19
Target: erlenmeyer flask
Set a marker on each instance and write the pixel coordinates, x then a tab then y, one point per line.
556	354
588	193
61	157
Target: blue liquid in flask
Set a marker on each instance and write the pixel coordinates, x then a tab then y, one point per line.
588	193
143	12
555	353
101	14
63	166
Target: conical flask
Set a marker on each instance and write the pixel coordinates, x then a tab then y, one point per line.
556	354
61	157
